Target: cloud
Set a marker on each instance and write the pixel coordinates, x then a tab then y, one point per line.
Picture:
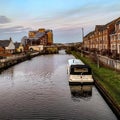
66	35
88	13
14	29
15	32
4	19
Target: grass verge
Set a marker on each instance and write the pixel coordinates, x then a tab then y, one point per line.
108	78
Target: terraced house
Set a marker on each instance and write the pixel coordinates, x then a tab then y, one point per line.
115	38
104	38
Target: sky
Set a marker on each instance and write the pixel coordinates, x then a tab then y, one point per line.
65	17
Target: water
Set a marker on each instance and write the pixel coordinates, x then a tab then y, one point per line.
39	90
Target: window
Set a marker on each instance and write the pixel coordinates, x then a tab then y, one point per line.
119	48
81	70
112	46
118	36
111	37
114	37
105	38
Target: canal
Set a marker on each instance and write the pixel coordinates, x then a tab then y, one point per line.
39	90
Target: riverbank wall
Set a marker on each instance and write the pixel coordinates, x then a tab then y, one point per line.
13	60
115	108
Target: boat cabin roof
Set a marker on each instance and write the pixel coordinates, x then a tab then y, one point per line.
75	62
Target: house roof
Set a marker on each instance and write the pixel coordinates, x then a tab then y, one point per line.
102	27
99	27
4	43
34	31
90	33
39	34
115	20
32	39
17	44
118	22
48	30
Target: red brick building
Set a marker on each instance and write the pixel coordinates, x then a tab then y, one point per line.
101	39
115	38
40	37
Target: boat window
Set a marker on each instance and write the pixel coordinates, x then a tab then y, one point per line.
79	71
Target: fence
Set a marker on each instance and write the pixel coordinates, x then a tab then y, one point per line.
109	62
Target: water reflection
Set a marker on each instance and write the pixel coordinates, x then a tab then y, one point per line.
81	92
62	52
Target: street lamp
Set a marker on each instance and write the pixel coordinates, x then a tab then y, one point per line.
102	40
83	37
83	46
116	45
109	42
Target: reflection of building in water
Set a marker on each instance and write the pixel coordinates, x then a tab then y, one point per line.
81	91
8	76
62	52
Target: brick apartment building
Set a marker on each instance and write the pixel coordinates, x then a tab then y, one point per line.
115	38
105	39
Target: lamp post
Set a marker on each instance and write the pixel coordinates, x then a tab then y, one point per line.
83	46
82	33
102	42
89	43
83	37
116	46
109	42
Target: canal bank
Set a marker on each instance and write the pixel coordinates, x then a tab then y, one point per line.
8	62
107	82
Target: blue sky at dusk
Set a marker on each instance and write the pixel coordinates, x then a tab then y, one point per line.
64	17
